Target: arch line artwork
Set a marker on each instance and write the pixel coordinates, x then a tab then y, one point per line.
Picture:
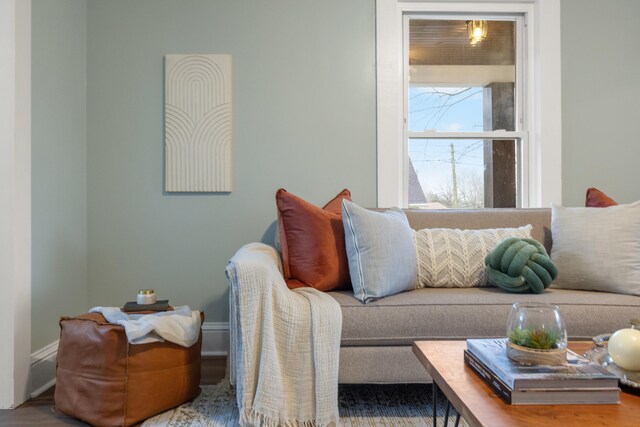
197	121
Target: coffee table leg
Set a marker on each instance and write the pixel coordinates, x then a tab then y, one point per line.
446	414
435	402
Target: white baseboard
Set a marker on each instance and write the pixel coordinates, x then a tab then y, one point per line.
215	342
215	338
43	369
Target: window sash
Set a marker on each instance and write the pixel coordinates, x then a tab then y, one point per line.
520	59
522	146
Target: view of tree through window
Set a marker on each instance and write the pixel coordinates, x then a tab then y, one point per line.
450	172
455	87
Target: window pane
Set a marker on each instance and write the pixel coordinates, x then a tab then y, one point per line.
450	173
459	84
450	109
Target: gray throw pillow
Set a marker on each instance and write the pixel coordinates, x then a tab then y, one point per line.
380	249
597	249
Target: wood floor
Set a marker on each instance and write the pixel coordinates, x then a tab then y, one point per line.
40	410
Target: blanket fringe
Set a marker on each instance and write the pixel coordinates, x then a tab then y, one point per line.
251	418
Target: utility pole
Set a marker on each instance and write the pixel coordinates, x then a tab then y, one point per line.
453	174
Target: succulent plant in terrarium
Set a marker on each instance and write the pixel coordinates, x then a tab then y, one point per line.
540	339
536	334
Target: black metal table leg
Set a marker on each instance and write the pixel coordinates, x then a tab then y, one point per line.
446	414
435	402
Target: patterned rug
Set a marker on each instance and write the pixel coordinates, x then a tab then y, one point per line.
359	406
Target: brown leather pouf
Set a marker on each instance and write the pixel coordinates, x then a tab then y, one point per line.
103	380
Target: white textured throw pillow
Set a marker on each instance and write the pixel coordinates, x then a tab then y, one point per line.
453	258
597	248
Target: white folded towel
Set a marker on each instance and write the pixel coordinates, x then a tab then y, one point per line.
180	326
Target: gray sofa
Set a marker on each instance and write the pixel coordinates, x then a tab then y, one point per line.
377	337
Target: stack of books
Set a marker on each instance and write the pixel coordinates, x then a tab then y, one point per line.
579	381
132	306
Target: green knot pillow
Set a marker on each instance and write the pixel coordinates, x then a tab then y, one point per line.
519	265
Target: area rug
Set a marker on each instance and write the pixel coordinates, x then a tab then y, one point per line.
359	406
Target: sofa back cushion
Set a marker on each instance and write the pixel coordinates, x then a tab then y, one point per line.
476	219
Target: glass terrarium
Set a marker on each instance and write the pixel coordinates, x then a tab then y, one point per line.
536	334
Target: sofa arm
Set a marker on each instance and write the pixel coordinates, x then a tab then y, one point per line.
258	257
254	270
284	343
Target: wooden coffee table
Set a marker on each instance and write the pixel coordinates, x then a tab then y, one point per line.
480	406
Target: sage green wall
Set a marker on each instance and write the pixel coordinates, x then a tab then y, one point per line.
600	96
304	119
59	166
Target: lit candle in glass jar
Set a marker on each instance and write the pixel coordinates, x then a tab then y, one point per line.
146	296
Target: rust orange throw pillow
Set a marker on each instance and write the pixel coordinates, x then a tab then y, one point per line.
597	199
312	240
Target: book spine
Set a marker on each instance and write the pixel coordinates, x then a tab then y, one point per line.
480	355
497	385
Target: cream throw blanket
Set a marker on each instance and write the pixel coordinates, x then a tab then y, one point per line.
284	345
180	326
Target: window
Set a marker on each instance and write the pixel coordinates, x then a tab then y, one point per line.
468	125
459	91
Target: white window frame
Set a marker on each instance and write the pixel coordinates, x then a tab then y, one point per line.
541	79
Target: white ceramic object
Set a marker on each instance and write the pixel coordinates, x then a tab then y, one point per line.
624	348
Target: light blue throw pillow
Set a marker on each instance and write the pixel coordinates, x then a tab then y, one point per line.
381	252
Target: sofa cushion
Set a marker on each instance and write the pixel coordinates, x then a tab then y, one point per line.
454	258
382	256
312	242
445	313
597	249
